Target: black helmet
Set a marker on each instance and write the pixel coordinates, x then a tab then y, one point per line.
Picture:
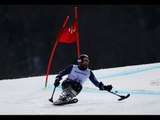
80	58
80	62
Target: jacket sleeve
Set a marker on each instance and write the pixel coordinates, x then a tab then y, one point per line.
93	79
64	72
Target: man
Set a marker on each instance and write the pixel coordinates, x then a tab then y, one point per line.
77	75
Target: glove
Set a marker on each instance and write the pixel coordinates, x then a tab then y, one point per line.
108	87
104	87
57	82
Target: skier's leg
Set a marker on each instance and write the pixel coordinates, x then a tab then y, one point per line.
76	87
66	94
71	88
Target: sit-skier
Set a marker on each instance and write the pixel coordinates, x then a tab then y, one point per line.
77	75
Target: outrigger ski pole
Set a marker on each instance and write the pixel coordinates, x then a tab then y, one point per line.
51	99
122	97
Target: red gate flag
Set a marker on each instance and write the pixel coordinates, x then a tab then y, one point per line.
69	34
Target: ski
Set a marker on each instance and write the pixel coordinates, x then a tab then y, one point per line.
51	100
75	100
123	97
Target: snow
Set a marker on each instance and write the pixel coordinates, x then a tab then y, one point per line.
28	96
